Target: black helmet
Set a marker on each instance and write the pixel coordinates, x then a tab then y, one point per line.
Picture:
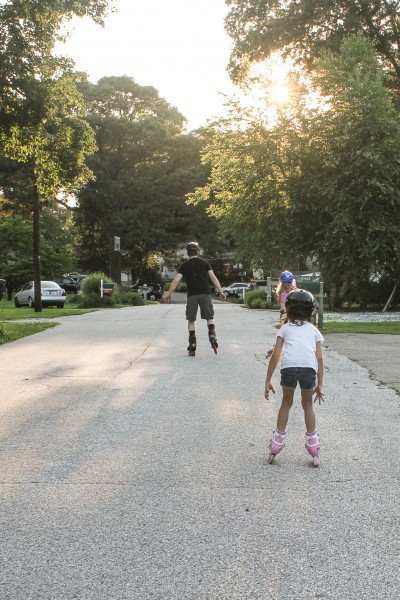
193	248
300	298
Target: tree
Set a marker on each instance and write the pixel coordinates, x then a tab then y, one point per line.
144	167
301	29
16	255
318	180
347	183
42	126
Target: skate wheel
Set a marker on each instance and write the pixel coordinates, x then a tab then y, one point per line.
271	458
316	461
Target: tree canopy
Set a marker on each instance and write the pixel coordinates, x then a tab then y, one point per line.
144	167
319	180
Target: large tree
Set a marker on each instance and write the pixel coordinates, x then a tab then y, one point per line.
319	180
302	28
143	168
42	125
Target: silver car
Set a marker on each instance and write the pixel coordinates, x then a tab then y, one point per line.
52	295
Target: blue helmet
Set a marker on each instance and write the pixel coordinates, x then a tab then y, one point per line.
286	277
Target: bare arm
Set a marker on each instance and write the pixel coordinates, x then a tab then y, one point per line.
320	374
273	361
172	287
217	284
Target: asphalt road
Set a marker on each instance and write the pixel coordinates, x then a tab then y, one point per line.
131	471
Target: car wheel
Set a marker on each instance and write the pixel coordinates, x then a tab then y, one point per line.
16	302
31	303
152	297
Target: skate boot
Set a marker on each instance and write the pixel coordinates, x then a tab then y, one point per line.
192	345
276	444
313	446
213	340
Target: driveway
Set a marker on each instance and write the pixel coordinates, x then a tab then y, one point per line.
132	471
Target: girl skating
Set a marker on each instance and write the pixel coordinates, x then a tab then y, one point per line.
299	346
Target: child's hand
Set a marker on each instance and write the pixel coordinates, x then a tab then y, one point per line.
318	395
268	387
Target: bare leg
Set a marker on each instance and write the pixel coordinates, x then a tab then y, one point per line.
286	405
309	414
191	325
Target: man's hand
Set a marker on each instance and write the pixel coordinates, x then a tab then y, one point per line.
222	296
167	298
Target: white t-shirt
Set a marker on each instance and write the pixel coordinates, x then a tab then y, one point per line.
300	344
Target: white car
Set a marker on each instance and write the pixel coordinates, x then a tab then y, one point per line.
235	289
52	295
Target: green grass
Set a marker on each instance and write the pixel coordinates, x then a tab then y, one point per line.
9	332
388	327
8	312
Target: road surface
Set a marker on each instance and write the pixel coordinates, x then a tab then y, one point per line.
131	471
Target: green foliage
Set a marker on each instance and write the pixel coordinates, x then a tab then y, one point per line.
144	167
301	29
257	299
93	300
128	298
319	180
91	292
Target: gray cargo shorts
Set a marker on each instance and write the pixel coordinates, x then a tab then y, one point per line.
203	301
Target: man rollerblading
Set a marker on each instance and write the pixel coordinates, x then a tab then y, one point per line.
197	273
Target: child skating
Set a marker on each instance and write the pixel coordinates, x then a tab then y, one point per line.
299	347
286	284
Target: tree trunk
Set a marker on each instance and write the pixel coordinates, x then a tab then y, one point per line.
36	248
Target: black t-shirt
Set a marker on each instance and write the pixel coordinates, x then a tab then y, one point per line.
195	272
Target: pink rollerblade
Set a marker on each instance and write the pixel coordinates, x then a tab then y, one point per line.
313	447
276	444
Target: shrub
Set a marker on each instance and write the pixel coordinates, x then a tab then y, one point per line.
90	297
92	283
94	300
257	299
128	298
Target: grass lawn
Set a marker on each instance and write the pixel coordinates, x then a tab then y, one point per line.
9	332
387	327
8	312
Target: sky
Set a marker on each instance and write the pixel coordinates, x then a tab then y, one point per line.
178	46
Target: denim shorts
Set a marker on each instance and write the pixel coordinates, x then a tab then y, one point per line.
203	301
305	376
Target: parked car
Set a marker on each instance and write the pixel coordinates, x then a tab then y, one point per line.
153	290
68	284
52	295
235	289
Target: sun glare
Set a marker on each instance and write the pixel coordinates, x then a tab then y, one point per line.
279	93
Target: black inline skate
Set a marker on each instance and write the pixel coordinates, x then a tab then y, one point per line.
192	345
213	340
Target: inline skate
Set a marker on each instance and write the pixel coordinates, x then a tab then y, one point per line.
276	444
313	446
